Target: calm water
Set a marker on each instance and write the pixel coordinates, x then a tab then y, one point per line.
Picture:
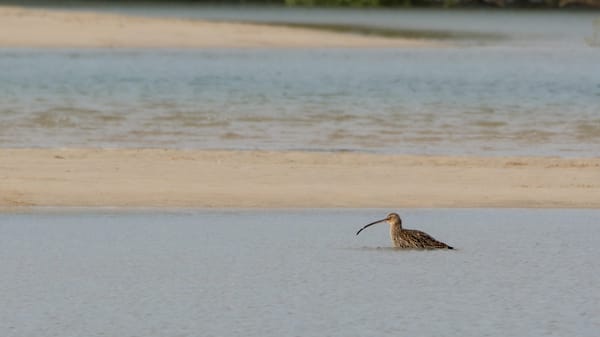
534	92
527	28
298	273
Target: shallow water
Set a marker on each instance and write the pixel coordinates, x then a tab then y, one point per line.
448	101
535	92
526	28
273	273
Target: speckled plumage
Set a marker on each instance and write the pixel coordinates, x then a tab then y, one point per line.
408	238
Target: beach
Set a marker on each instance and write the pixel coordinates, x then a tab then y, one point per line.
110	128
46	28
262	179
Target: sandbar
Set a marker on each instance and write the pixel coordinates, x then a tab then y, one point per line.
261	179
51	28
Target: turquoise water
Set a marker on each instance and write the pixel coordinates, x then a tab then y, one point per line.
534	92
282	273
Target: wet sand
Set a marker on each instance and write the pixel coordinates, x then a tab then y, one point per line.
41	28
256	179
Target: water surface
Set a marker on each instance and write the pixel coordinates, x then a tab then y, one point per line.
436	101
526	28
534	92
274	273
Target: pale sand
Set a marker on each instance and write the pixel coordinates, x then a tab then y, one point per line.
253	179
23	27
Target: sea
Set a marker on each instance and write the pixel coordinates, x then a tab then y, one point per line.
502	83
297	273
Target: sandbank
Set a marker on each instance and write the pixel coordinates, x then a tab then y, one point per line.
45	28
257	179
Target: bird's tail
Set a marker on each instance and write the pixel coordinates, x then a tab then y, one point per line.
450	247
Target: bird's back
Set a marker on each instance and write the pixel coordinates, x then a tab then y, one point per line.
411	238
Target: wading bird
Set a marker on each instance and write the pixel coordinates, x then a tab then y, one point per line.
408	238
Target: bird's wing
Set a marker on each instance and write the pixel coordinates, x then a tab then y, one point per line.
425	240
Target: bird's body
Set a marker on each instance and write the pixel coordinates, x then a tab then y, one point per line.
408	238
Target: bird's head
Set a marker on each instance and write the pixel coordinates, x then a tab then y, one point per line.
393	219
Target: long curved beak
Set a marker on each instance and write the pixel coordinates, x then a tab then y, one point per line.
371	224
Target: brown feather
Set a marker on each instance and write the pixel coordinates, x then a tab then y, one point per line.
411	238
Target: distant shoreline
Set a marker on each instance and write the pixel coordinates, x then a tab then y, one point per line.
50	28
149	178
366	4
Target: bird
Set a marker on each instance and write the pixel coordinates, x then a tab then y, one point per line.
408	238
